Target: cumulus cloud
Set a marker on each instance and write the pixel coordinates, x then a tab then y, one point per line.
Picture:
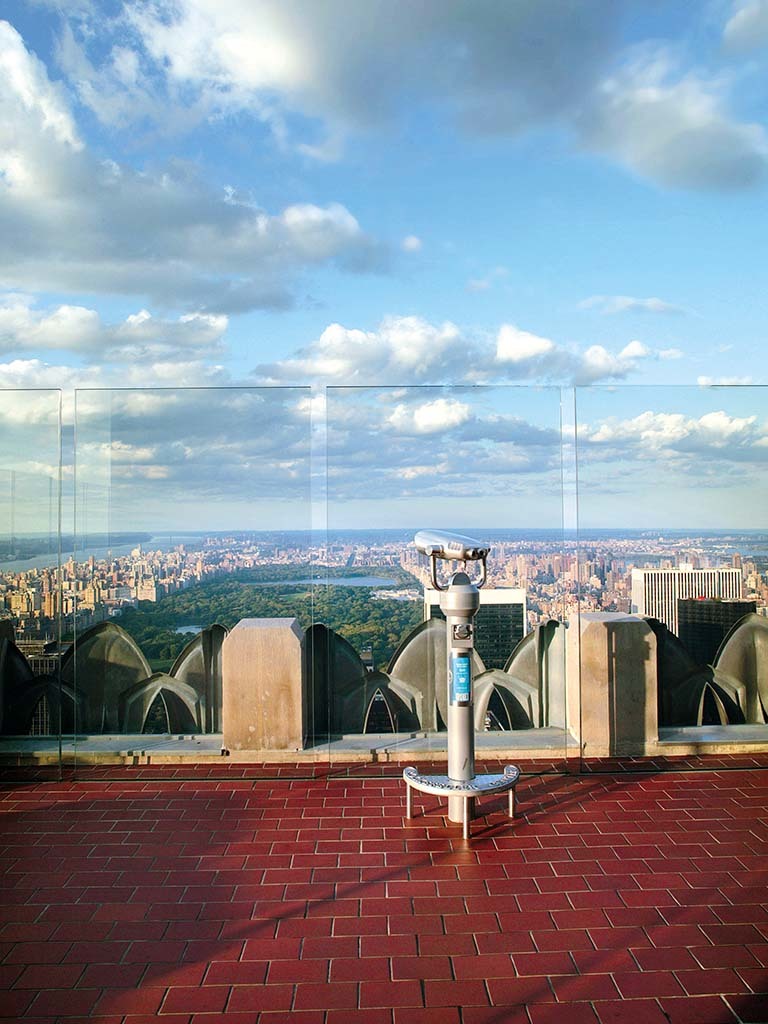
716	434
408	443
747	28
495	67
71	222
412	243
517	346
406	350
78	329
430	417
673	127
612	304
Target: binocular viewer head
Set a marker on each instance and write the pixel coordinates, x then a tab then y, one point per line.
450	546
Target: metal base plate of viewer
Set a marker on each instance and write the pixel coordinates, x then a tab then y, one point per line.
442	785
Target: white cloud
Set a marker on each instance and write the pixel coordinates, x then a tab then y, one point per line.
634	350
673	128
401	350
715	434
495	66
514	345
747	28
410	350
412	243
430	417
140	337
612	304
71	222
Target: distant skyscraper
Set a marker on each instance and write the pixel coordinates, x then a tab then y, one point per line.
655	592
499	623
703	624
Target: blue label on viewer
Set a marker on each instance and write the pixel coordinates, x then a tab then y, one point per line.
461	678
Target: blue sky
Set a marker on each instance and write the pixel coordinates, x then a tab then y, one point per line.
456	192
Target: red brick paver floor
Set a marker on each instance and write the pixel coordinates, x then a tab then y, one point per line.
611	899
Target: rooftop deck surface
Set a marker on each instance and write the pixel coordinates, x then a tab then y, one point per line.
216	896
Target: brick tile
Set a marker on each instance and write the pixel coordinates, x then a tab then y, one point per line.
249	1017
725	956
603	961
236	972
730	934
543	963
577	988
474	923
665	959
260	997
67	1002
519	991
8	975
355	926
369	968
329	946
711	981
14	1004
423	1015
154	952
270	949
756	978
630	1011
637	984
37	952
574	1013
674	935
504	942
199	950
390	994
700	1010
752	1009
406	924
295	971
39	976
195	999
493	965
490	1015
337	996
367	1016
618	938
388	945
455	945
146	999
562	939
455	993
421	968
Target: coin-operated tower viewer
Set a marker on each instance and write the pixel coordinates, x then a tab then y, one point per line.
459	602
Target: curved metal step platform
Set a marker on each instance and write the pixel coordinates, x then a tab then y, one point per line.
442	785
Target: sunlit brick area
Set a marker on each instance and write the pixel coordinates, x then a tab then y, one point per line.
258	895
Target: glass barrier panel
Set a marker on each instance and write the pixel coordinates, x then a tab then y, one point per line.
191	580
673	564
483	462
34	710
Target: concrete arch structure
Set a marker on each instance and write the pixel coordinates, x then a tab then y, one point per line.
743	656
184	707
199	666
104	663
